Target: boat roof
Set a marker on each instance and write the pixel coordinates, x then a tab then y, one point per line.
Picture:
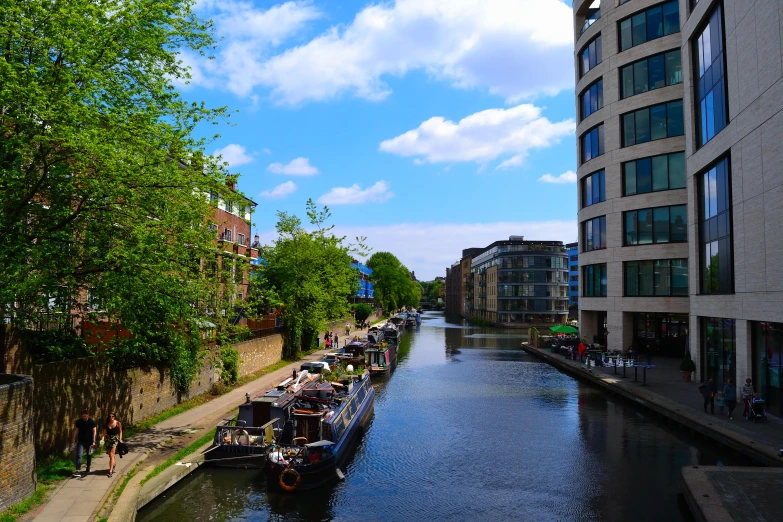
320	444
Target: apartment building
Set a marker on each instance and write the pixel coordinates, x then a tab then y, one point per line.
680	138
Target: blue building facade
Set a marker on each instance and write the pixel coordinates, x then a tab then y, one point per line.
366	289
573	273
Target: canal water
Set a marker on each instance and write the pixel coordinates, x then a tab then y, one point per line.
469	427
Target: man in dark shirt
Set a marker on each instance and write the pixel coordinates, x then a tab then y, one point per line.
84	435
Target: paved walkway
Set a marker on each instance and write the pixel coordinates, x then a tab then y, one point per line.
79	499
666	394
730	494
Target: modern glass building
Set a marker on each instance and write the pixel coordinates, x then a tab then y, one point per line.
519	282
680	107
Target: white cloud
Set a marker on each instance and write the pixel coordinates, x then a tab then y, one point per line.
566	177
354	195
480	137
516	49
280	191
234	155
428	248
297	167
249	33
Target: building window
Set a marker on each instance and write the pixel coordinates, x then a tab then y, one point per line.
592	143
661	277
655	225
653	123
590	56
651	73
767	350
593	189
664	172
594	280
651	24
717	262
227	235
594	234
718	349
241	239
711	107
592	98
575	258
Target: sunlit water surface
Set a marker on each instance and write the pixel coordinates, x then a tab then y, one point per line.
469	427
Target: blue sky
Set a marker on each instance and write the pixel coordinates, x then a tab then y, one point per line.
426	125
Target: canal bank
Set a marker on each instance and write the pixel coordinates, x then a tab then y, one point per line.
762	444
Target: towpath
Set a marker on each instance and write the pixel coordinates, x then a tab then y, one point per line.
80	499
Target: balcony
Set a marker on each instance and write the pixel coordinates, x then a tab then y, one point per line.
592	14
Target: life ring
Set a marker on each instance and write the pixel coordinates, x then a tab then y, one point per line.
242	433
289	487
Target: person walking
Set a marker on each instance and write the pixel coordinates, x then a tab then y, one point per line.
112	435
347	329
730	396
336	341
746	392
84	435
581	350
708	391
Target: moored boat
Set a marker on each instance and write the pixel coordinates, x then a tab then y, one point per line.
381	358
244	442
318	436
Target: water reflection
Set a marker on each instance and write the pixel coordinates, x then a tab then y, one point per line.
499	436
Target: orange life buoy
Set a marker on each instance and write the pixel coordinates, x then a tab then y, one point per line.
289	487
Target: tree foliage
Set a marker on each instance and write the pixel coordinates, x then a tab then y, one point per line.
310	273
362	311
394	287
105	208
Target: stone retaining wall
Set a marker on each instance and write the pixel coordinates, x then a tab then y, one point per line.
17	447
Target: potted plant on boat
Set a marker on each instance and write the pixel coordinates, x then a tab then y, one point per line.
687	367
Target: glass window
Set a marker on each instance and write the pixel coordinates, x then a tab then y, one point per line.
594	233
650	73
710	91
662	277
591	55
592	98
629	170
593	189
653	123
644	176
660	173
656	225
677	170
594	280
717	263
718	349
592	143
650	24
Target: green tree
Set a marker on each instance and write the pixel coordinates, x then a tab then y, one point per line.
310	272
105	186
362	311
394	287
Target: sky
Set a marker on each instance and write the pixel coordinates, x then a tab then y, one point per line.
426	126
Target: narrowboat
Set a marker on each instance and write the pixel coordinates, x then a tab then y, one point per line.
381	358
391	333
244	442
318	436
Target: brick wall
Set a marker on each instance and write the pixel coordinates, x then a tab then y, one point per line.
62	389
259	353
17	448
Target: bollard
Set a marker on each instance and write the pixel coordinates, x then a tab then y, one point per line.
624	367
615	366
635	373
644	376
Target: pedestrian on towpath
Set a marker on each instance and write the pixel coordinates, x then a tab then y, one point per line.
730	396
84	435
746	392
112	436
347	329
581	350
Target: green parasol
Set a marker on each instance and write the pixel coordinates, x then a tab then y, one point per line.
564	329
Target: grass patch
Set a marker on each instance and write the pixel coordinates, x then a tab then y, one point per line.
17	510
54	469
181	454
129	431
